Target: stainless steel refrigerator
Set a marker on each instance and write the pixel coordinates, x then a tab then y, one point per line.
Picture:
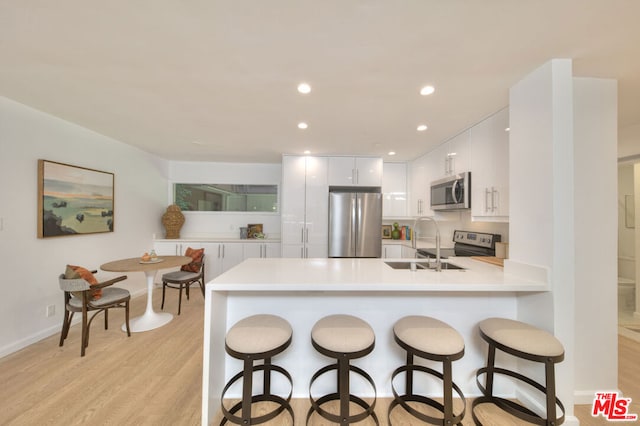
355	222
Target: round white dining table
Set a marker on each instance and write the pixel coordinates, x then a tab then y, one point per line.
150	319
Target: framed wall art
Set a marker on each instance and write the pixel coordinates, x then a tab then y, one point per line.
73	200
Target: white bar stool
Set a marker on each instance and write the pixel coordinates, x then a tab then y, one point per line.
431	339
527	342
343	338
257	338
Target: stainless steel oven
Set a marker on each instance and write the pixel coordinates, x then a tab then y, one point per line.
466	243
452	192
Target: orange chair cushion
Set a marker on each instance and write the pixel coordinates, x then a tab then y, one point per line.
75	272
196	255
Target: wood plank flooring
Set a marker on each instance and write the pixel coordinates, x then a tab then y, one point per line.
155	377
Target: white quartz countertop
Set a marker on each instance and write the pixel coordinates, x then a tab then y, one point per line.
218	240
284	274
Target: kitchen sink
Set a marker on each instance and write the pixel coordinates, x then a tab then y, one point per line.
423	265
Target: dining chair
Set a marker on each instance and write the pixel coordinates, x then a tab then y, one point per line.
79	297
184	278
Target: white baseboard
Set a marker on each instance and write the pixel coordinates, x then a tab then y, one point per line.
29	340
587	397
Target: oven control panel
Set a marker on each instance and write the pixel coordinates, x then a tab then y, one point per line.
478	239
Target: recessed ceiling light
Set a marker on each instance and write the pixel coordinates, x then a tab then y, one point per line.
304	88
427	90
507	129
307	152
421	128
302	125
392	153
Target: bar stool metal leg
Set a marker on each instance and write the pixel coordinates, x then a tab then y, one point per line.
257	338
431	339
522	341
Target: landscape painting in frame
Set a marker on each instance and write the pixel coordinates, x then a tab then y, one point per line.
73	200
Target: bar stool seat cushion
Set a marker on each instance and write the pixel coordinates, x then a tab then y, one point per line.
522	337
258	333
428	335
343	333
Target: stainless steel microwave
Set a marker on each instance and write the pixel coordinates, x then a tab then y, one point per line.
452	192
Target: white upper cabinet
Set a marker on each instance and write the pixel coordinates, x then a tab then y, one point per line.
394	190
355	171
304	206
454	155
420	172
490	168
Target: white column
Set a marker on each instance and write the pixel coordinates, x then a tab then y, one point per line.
636	190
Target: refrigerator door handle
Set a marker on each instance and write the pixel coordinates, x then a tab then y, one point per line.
355	221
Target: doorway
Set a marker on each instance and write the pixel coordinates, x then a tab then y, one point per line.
628	243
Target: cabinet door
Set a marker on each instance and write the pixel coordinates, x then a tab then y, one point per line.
419	184
212	261
295	251
457	154
482	173
490	168
316	203
168	249
261	250
368	171
231	255
292	208
408	252
391	251
394	190
355	171
271	250
252	250
320	250
501	163
342	171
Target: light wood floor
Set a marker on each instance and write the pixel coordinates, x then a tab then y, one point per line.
155	377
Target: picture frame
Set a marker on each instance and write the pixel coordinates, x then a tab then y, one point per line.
254	230
73	200
386	232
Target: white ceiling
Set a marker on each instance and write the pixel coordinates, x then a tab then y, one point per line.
162	74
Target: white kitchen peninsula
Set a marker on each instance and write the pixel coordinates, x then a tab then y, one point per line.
304	290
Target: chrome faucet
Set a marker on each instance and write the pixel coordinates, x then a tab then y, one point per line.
415	238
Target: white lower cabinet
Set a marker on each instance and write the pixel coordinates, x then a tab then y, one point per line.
170	249
408	252
218	257
398	251
261	250
391	251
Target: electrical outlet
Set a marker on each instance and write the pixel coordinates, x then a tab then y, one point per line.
51	310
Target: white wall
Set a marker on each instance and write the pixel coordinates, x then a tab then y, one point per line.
30	266
541	210
563	162
636	177
221	224
596	215
629	142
